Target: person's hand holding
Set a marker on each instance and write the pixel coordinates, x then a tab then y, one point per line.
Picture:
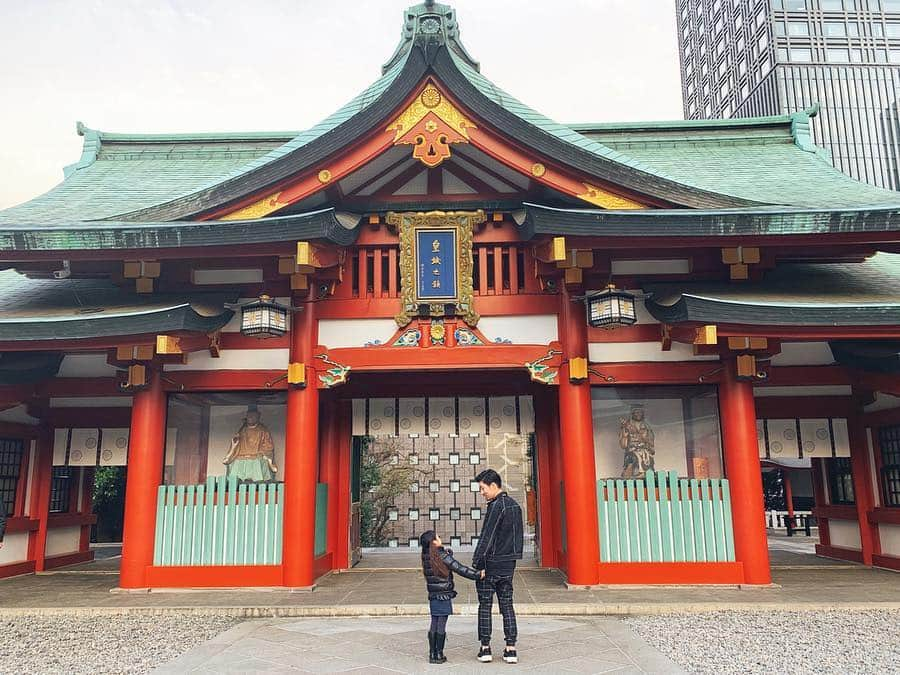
482	574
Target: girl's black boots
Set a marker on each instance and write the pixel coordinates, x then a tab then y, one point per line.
432	648
440	639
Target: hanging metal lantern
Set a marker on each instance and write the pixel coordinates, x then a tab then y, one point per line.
263	318
611	308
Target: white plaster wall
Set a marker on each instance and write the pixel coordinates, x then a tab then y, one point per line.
236	359
18	415
539	329
15	548
62	540
844	533
890	539
336	333
803	354
625	352
815	390
85	402
86	365
883	402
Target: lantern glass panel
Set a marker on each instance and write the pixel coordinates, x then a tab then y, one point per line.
611	308
264	318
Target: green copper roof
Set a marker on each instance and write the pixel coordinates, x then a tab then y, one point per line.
65	309
118	173
821	294
770	160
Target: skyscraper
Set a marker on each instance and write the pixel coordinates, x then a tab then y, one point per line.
748	58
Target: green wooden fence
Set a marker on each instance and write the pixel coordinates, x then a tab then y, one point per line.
223	523
321	519
663	518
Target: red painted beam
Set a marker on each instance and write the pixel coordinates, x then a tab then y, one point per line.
781	376
656	372
71	387
804	406
888	383
487	357
224	380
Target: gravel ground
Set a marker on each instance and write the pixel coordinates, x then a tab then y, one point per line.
818	643
105	644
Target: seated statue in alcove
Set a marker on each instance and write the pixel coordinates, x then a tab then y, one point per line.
252	454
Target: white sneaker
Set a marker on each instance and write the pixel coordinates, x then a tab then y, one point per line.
484	654
510	656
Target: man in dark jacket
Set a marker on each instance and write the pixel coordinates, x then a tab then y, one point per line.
2	524
499	546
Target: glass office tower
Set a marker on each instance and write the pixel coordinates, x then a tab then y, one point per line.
748	58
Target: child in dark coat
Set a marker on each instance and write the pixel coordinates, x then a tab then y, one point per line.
438	566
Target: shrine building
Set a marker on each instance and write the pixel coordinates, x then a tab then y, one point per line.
624	319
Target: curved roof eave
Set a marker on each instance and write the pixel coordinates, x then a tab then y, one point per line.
338	228
183	318
695	309
768	221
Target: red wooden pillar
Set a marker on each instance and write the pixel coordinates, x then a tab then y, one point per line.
146	452
344	459
743	471
788	493
861	470
329	451
39	508
556	476
301	455
544	432
577	440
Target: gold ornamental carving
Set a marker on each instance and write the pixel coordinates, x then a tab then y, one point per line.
324	176
412	302
538	169
431	124
258	209
607	200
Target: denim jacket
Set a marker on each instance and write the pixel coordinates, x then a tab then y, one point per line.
502	537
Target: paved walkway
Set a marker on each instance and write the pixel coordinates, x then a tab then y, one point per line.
399	645
393	592
391	585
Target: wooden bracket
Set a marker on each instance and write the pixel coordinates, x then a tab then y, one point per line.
739	344
131	353
168	344
665	337
706	335
551	251
215	344
317	256
739	259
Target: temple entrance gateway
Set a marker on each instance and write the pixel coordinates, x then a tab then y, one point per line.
418	459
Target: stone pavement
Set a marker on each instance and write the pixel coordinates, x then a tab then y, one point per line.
391	585
393	592
399	645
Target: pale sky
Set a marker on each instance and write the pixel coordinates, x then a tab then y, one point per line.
145	66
